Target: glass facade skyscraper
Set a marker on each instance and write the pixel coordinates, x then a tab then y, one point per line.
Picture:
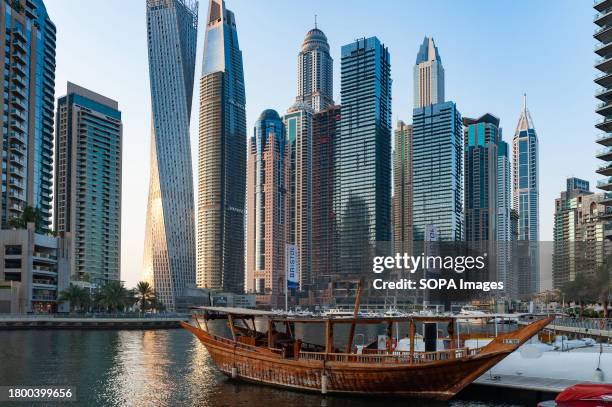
298	128
169	253
437	171
28	76
525	199
481	137
315	72
88	183
362	190
525	176
266	221
222	156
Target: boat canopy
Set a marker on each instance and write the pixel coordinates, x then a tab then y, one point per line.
237	311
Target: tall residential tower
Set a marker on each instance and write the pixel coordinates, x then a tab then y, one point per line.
402	188
169	255
222	156
362	190
28	77
88	183
266	221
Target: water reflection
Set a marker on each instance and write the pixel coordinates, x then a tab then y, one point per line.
147	368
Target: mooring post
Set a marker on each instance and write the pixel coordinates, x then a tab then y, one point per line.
234	372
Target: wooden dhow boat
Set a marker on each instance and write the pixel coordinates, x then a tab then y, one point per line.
279	358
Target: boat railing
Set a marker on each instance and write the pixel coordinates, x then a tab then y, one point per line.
394	357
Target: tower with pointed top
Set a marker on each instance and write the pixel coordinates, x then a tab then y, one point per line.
428	75
169	252
525	176
222	156
525	200
315	72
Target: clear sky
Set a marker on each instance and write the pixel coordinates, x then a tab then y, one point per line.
492	52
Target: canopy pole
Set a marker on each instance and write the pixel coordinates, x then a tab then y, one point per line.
412	332
349	343
230	321
329	336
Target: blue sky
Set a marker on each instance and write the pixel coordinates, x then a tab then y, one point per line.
492	52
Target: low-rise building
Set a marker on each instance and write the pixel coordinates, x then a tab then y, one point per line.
34	271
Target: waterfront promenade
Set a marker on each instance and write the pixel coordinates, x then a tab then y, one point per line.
104	321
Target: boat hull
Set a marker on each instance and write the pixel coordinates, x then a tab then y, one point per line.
440	379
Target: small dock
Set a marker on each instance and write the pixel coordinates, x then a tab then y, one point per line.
580	328
57	322
530	383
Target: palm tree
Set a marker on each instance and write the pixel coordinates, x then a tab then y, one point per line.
144	293
29	215
76	295
114	296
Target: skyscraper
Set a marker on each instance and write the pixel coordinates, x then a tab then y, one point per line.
315	72
402	188
325	130
437	150
169	254
437	181
603	64
525	197
298	128
428	75
88	183
362	190
525	176
222	156
578	232
481	138
28	75
266	228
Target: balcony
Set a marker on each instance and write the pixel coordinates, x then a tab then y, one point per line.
604	64
605	184
605	124
604	108
603	18
604	154
604	94
601	5
603	79
603	34
606	199
605	139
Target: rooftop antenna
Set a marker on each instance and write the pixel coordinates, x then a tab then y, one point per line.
524	101
315	21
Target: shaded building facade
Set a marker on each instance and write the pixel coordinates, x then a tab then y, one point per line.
402	188
362	159
325	129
